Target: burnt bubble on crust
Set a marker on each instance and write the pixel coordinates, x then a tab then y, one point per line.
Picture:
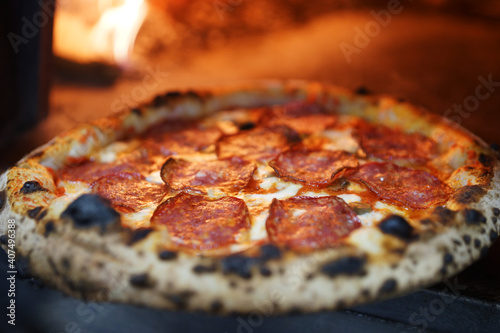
239	265
201	269
136	111
138	235
493	235
247	126
180	300
140	280
473	216
396	225
269	251
469	194
90	210
33	213
444	215
3	199
362	90
31	187
486	160
350	266
49	228
388	286
496	211
167	255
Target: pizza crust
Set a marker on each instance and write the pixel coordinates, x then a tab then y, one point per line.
100	260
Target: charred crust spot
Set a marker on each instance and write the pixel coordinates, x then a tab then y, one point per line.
180	300
216	306
239	265
485	160
3	199
496	211
167	255
484	252
309	276
388	286
3	239
233	284
193	94
494	219
447	259
493	235
264	271
269	252
477	243
49	228
443	215
469	194
201	269
247	126
365	292
473	216
426	222
396	225
362	90
136	111
457	242
495	147
138	235
140	280
345	266
65	263
159	101
466	239
31	187
33	213
173	94
90	210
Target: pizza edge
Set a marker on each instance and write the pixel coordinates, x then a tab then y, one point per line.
104	262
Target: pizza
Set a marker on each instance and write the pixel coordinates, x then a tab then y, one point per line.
282	195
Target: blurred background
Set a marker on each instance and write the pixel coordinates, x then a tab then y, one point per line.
82	59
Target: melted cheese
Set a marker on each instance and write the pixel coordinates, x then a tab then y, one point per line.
270	187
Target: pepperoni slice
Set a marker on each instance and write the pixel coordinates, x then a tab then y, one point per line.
403	186
195	222
228	175
89	171
313	167
129	192
393	145
184	141
305	223
261	143
302	117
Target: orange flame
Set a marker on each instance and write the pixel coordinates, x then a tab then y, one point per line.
118	27
98	30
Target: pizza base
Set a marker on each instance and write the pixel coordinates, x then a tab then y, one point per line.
106	262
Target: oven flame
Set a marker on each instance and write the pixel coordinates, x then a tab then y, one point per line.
98	30
117	28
